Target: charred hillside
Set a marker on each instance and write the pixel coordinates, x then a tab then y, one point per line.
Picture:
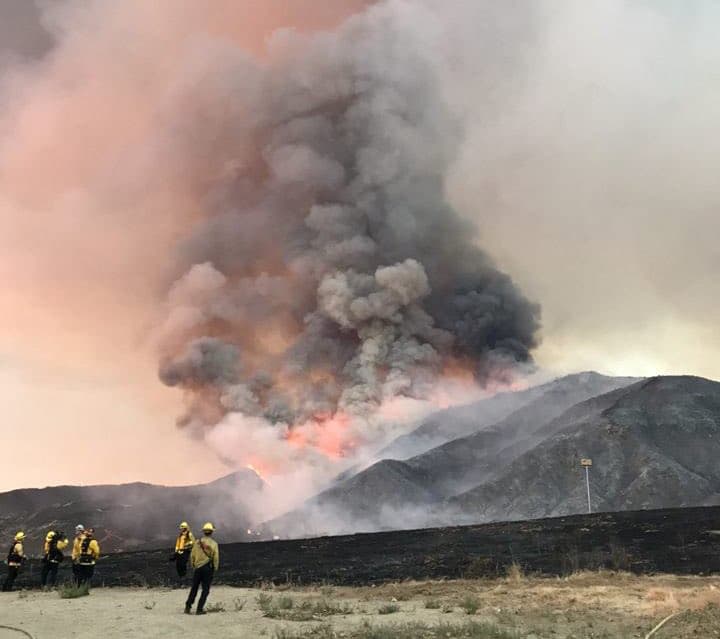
412	493
655	445
538	402
128	516
680	541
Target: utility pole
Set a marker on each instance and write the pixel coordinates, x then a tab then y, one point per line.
586	463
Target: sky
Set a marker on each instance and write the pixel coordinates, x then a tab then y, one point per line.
587	164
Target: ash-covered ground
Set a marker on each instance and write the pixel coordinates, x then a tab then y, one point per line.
678	541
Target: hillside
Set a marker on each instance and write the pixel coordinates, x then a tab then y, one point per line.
129	516
460	421
656	446
401	494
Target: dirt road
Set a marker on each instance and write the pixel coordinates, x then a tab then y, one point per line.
585	605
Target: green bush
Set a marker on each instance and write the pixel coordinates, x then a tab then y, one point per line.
306	611
469	630
388	609
470	605
73	591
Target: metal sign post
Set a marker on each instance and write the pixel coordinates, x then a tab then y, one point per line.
586	463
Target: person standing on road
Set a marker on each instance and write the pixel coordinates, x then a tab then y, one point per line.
15	559
55	541
205	560
183	547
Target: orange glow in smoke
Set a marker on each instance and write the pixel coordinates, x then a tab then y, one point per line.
333	432
262	474
328	433
459	369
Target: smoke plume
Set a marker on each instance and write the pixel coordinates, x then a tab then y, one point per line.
326	274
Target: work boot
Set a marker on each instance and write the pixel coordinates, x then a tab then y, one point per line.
201	612
188	609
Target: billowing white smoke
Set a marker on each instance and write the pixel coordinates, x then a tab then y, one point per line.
327	274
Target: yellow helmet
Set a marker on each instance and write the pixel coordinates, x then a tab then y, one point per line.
184	524
50	535
20	536
208	527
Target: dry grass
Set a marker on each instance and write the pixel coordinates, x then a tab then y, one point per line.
515	574
415	630
665	600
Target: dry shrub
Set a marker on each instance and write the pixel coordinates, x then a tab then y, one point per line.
515	574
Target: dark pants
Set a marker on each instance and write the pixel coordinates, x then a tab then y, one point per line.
181	562
49	569
10	579
202	576
85	573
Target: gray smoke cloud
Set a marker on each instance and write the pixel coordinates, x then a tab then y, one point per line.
328	274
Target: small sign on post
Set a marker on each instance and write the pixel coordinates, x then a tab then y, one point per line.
586	464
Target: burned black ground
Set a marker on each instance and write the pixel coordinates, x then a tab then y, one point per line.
678	541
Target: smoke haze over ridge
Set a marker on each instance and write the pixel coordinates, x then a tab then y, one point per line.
585	160
329	275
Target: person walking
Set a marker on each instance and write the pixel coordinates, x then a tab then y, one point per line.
15	559
183	548
205	560
55	542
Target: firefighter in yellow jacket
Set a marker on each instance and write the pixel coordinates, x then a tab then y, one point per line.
205	560
79	532
85	553
55	542
15	559
183	547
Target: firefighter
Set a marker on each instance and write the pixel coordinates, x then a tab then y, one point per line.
183	547
205	560
55	542
79	532
86	552
15	559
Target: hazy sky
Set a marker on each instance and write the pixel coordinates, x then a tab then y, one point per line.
588	163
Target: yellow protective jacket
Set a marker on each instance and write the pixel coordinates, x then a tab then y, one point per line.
92	554
184	542
204	551
17	551
61	545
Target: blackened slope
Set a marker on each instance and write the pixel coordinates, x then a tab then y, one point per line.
128	516
393	494
679	541
656	446
461	421
463	463
458	421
